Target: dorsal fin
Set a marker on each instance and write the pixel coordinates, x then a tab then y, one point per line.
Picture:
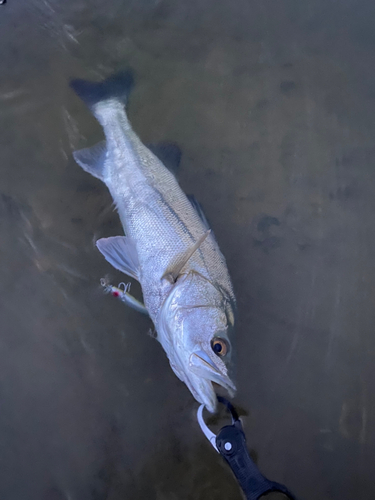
168	153
199	209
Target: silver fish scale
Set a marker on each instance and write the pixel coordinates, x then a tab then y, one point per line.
157	215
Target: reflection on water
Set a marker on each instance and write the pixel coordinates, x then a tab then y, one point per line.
272	105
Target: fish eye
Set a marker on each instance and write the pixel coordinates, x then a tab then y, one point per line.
219	346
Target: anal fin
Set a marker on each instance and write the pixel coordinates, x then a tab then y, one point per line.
92	159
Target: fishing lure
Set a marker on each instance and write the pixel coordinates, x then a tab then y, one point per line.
122	292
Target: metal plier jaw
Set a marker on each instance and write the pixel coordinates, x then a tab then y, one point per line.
230	442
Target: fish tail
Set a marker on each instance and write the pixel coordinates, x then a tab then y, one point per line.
117	87
114	91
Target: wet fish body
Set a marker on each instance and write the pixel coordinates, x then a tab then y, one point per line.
168	246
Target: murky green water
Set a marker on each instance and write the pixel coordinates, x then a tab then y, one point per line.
273	105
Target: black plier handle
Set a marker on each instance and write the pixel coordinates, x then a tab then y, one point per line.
231	444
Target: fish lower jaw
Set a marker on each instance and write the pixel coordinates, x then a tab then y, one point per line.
206	392
218	390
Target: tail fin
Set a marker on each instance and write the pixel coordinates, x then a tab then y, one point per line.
117	86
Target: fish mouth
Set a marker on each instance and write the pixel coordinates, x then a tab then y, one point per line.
200	364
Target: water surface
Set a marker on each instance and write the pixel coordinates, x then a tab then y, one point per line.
273	106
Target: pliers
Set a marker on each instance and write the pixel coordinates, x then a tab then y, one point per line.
230	442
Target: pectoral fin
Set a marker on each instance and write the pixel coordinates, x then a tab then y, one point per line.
172	274
120	251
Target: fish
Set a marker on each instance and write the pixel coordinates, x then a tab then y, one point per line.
167	246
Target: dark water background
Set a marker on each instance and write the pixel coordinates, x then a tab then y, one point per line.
273	105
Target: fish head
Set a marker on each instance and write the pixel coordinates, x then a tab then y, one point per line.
194	328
